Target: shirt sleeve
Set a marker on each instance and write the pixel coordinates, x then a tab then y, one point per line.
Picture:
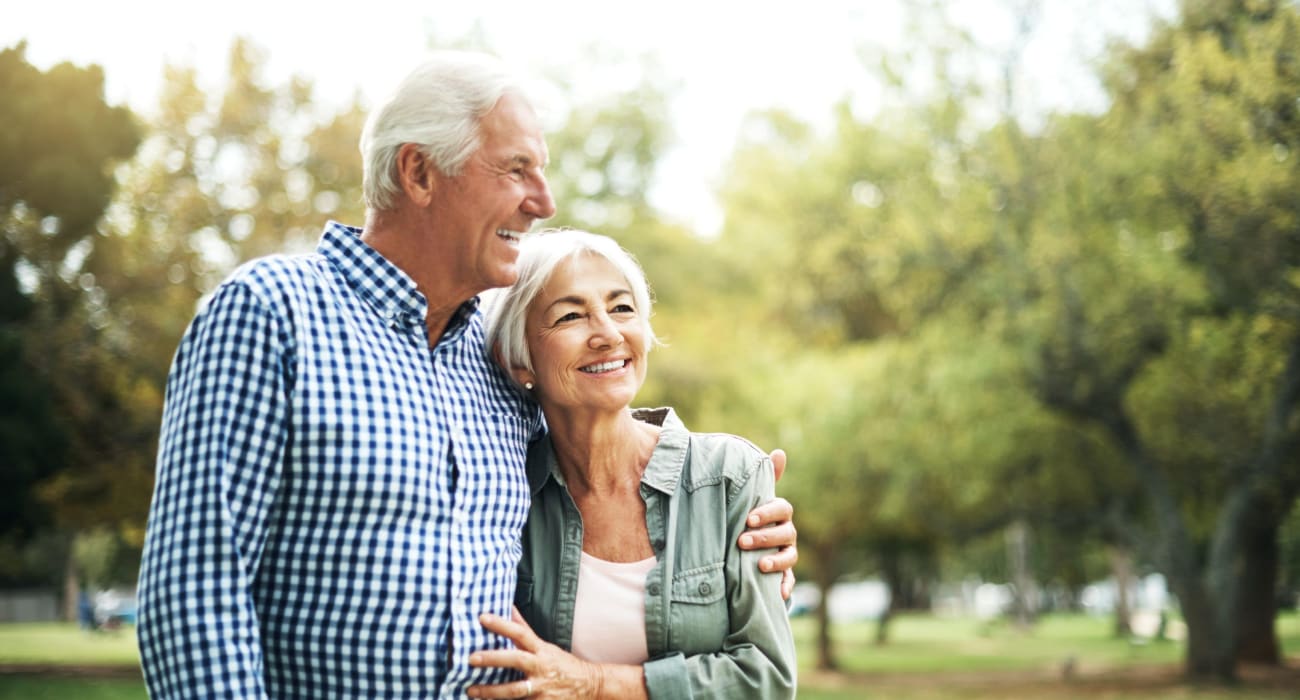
219	469
757	659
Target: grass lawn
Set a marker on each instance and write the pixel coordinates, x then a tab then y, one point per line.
927	658
926	644
932	658
29	687
55	643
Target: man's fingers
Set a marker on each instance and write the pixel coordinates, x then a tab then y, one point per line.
783	559
782	535
778	462
777	510
787	584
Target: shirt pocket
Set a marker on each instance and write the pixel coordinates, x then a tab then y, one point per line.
700	618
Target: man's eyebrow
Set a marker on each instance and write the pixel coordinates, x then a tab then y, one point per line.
523	160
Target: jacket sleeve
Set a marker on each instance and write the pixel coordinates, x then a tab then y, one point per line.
220	452
757	659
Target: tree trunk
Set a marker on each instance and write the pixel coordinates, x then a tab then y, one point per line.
1205	659
1257	640
824	572
891	568
1017	537
1206	592
1121	567
71	589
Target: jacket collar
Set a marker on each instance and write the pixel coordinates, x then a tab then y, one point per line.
661	474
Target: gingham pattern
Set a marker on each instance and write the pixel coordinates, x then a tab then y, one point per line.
335	501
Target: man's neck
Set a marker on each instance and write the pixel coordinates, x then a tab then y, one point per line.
390	235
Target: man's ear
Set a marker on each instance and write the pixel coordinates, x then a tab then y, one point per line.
416	173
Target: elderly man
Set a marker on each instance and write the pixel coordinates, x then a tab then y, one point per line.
341	483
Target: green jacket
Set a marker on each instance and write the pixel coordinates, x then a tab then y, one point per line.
723	632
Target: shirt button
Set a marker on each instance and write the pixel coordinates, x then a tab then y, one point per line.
653	589
705	588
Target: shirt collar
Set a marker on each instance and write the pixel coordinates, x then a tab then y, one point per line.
389	291
662	472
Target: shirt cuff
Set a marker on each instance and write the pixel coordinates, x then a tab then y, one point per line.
667	677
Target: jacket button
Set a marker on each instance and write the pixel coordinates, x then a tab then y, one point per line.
705	588
653	589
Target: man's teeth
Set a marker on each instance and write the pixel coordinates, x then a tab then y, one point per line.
603	367
510	235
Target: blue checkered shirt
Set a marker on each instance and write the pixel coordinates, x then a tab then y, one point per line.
335	502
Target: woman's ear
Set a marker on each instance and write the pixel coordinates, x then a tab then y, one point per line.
525	377
522	375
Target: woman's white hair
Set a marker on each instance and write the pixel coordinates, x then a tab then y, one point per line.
438	106
539	254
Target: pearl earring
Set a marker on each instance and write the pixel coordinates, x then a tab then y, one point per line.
528	386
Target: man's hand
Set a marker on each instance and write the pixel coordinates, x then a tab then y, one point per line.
771	526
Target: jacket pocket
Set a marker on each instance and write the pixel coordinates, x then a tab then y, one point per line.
700	618
700	586
524	593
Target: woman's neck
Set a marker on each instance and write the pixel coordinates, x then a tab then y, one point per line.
604	454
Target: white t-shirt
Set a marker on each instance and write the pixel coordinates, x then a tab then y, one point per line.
609	611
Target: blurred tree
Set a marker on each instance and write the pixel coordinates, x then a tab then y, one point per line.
889	233
604	148
219	179
56	155
1176	329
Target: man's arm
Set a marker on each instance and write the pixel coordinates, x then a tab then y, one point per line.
771	526
219	463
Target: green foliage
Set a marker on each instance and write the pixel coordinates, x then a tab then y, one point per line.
1087	326
59	144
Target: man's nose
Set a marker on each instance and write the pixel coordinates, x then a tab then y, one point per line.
540	204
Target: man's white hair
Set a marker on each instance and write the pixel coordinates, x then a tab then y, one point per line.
439	107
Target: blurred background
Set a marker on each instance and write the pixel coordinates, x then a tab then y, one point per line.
1015	283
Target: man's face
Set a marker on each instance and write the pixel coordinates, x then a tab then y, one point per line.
481	213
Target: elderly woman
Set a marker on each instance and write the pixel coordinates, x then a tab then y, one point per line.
630	559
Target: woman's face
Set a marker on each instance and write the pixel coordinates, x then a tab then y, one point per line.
586	337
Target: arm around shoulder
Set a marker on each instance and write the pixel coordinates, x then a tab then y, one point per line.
757	659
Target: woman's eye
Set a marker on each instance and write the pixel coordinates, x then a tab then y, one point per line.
571	316
623	309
